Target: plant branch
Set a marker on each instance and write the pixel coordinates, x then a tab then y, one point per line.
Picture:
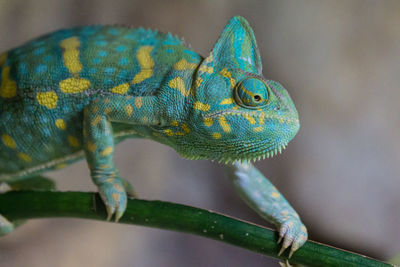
29	204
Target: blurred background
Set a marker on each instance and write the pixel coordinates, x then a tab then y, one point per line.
340	61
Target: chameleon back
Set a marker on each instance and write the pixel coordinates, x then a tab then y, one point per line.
46	83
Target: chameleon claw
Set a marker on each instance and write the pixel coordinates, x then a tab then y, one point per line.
291	252
114	198
293	234
110	212
118	215
282	250
6	226
119	212
285	264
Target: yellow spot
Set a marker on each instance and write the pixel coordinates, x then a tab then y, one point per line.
249	118
121	89
185	128
275	194
71	54
146	63
109	180
174	123
96	120
107	100
118	187
227	101
74	85
216	135
107	151
47	99
281	120
177	83
224	124
8	141
61	166
91	146
285	212
228	75
262	118
145	119
116	197
235	108
3	58
24	157
201	106
208	122
258	129
129	110
106	166
183	65
207	69
138	102
8	87
168	132
198	82
60	123
95	109
73	141
180	133
108	110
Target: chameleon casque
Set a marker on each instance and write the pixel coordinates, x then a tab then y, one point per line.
77	92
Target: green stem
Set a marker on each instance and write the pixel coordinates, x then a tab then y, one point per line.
28	204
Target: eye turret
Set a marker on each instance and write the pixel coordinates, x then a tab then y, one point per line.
252	93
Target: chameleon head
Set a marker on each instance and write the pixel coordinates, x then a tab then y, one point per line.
235	113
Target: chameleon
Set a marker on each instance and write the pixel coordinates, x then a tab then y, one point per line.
76	93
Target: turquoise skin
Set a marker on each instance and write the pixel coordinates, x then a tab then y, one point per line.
76	93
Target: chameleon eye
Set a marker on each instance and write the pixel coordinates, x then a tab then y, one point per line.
251	93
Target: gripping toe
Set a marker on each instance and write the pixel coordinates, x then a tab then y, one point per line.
114	197
293	233
6	226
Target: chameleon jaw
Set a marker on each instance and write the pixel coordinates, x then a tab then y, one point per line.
256	156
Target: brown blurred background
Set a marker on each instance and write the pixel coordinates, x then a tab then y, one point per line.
340	61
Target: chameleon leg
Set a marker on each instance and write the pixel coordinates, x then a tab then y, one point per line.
264	198
99	144
33	183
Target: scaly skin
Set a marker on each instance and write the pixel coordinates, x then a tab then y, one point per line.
76	93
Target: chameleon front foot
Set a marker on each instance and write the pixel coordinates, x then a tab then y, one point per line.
293	233
264	198
114	196
6	226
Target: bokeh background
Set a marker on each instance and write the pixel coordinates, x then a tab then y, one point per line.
340	61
